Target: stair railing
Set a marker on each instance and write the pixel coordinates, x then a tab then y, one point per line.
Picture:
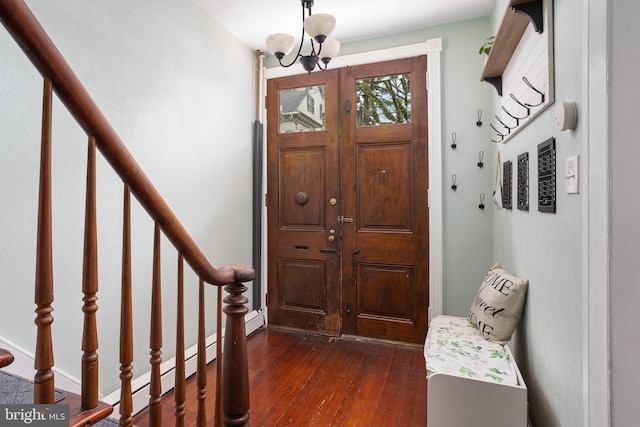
60	78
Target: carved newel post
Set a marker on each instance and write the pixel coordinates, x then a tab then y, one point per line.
235	374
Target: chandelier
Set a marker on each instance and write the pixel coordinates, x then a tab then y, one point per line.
317	27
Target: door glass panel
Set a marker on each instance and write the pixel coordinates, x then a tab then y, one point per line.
384	100
302	109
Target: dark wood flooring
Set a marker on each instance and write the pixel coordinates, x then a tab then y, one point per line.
300	379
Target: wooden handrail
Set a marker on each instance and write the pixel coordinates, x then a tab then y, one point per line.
34	41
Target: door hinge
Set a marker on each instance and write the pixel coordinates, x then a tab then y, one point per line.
426	76
266	199
428	198
266	296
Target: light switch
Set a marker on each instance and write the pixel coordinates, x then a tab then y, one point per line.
572	172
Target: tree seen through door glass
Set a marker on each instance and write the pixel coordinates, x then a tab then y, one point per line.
302	109
384	100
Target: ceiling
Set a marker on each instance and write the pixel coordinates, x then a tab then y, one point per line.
252	21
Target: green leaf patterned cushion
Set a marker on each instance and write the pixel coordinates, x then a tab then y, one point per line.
454	347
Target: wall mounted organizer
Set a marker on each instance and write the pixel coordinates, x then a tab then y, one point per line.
521	65
523	182
547	176
507	174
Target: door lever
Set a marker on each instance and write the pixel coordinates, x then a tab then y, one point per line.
343	219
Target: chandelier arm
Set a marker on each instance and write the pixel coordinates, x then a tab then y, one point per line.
301	40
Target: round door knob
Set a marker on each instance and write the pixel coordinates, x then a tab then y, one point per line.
331	238
302	198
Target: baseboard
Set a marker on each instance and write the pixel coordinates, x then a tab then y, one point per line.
23	367
24	360
140	386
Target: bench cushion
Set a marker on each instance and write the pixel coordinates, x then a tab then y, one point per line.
453	346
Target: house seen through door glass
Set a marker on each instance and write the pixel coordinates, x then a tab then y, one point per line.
302	109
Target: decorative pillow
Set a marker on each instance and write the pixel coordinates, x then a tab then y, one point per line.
497	308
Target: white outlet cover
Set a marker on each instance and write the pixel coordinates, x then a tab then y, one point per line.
572	174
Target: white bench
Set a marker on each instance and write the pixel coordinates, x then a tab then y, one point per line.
471	381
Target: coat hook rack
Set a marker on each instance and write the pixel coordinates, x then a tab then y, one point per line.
480	158
479	122
454	178
453	141
481	205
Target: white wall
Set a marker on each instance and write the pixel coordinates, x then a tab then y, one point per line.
625	211
547	248
179	91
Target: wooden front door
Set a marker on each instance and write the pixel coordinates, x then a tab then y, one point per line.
303	143
347	201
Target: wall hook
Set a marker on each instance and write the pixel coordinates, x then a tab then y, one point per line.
454	178
479	122
480	158
453	141
481	205
521	104
528	83
509	129
517	119
500	134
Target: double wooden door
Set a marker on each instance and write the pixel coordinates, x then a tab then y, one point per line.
347	201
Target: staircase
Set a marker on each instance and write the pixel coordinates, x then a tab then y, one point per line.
232	392
6	358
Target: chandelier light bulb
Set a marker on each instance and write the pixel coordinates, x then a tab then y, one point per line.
280	44
330	49
319	26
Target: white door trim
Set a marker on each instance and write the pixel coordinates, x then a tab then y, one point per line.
595	252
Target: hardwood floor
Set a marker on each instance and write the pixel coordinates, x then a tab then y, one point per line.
300	379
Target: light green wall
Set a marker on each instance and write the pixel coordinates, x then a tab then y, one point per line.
547	248
154	69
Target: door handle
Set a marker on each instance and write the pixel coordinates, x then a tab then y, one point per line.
328	250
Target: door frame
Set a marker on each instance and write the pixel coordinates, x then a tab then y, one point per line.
432	48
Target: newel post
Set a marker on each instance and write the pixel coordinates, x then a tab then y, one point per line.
235	372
